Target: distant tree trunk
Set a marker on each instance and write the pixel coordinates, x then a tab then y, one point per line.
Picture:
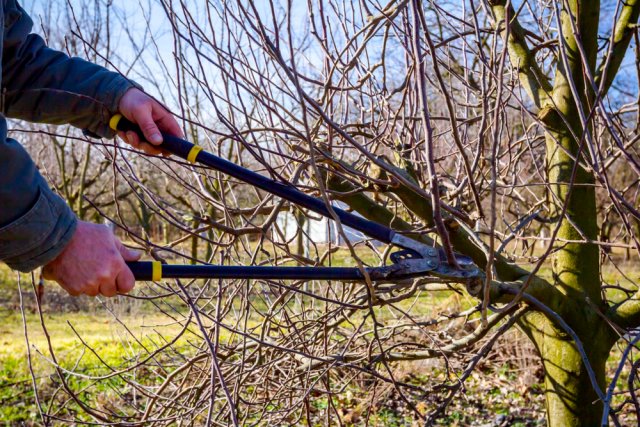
300	241
194	242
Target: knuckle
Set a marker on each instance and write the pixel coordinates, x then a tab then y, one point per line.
47	273
104	274
90	289
148	127
139	108
108	291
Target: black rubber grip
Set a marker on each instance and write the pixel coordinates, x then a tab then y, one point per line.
181	148
172	144
142	270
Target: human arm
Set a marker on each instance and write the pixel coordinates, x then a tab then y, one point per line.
40	84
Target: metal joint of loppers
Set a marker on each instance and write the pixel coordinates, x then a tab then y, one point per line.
414	260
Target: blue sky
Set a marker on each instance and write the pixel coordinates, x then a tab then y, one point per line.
130	14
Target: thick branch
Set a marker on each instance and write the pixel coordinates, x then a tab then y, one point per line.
461	240
621	37
627	314
367	207
505	292
532	78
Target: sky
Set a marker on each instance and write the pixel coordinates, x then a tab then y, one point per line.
130	15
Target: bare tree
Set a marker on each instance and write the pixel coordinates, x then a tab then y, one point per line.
507	132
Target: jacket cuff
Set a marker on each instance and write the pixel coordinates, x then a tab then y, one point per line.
111	102
40	235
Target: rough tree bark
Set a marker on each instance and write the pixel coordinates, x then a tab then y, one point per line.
565	111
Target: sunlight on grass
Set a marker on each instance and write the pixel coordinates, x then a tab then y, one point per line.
103	334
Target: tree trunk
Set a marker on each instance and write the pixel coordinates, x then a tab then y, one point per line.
194	242
566	110
571	399
570	395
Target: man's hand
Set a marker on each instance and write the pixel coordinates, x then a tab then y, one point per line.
92	263
152	118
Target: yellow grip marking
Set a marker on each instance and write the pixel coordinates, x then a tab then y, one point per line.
156	271
113	123
193	153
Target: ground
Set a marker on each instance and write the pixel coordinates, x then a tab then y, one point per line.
504	390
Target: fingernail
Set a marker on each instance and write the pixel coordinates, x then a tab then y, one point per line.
156	138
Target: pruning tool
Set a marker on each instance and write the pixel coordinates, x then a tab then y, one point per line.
413	260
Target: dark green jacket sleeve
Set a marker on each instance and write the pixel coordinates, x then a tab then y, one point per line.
43	85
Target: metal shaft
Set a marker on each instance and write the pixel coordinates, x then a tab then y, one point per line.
145	271
188	151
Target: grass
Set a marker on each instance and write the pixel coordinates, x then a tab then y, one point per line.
118	347
98	331
101	333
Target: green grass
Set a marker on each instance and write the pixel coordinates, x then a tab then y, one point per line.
118	348
106	337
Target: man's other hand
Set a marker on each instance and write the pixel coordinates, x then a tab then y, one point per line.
92	263
152	118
